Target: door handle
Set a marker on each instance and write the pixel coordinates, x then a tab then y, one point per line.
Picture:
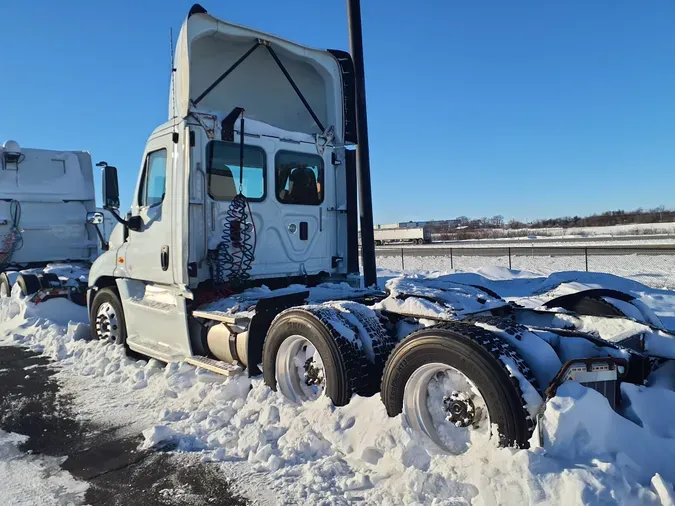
164	257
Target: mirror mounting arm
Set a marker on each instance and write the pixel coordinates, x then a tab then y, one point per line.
105	245
133	223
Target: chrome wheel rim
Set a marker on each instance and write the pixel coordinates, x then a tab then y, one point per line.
300	372
444	405
107	324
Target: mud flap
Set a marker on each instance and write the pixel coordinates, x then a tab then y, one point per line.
76	294
266	310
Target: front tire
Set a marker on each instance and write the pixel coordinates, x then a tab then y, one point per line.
452	386
107	317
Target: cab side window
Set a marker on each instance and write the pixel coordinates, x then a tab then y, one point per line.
299	178
225	177
153	184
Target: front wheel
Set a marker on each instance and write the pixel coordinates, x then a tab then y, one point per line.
452	387
107	317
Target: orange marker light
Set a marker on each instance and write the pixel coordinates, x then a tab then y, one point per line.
120	260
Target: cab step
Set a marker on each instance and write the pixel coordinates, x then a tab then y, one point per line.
214	365
219	316
159	351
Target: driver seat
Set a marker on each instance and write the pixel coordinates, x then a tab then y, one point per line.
303	189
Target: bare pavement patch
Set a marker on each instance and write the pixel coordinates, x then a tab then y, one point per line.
108	458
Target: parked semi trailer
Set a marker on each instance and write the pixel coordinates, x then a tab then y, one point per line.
413	235
240	253
49	231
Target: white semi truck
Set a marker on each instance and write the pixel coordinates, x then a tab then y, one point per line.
252	182
49	223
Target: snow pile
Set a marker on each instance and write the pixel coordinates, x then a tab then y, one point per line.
578	425
31	479
320	454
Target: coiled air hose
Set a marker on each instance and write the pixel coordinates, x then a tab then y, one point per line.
233	257
13	240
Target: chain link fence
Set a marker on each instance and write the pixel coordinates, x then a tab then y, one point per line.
652	265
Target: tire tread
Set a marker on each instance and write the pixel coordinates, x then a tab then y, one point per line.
494	346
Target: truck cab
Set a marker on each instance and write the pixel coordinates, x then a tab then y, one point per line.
247	183
45	199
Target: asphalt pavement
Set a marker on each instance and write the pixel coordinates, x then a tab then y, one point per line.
107	457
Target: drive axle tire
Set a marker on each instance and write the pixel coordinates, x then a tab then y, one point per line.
5	285
49	280
29	284
107	317
304	356
459	364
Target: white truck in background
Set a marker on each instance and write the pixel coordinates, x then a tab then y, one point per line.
49	223
391	235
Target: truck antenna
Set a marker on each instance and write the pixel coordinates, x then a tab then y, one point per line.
173	73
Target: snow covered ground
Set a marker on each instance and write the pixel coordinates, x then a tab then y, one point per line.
657	271
611	231
282	453
667	228
33	479
524	242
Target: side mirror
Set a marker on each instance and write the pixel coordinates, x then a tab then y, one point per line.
111	192
95	218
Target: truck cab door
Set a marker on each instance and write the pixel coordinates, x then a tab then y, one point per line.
147	255
299	232
153	301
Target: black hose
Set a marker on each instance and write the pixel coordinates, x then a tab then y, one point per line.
235	253
14	239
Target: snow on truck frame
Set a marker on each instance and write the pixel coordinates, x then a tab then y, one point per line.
48	216
239	252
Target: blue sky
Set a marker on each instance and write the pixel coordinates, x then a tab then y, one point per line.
528	109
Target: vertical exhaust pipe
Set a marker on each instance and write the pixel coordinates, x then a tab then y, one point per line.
362	148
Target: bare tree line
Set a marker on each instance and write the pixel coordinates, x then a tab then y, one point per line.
496	227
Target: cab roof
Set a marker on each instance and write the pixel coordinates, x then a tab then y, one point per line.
208	47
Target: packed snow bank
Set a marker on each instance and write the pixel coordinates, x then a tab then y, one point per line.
33	479
320	454
578	424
